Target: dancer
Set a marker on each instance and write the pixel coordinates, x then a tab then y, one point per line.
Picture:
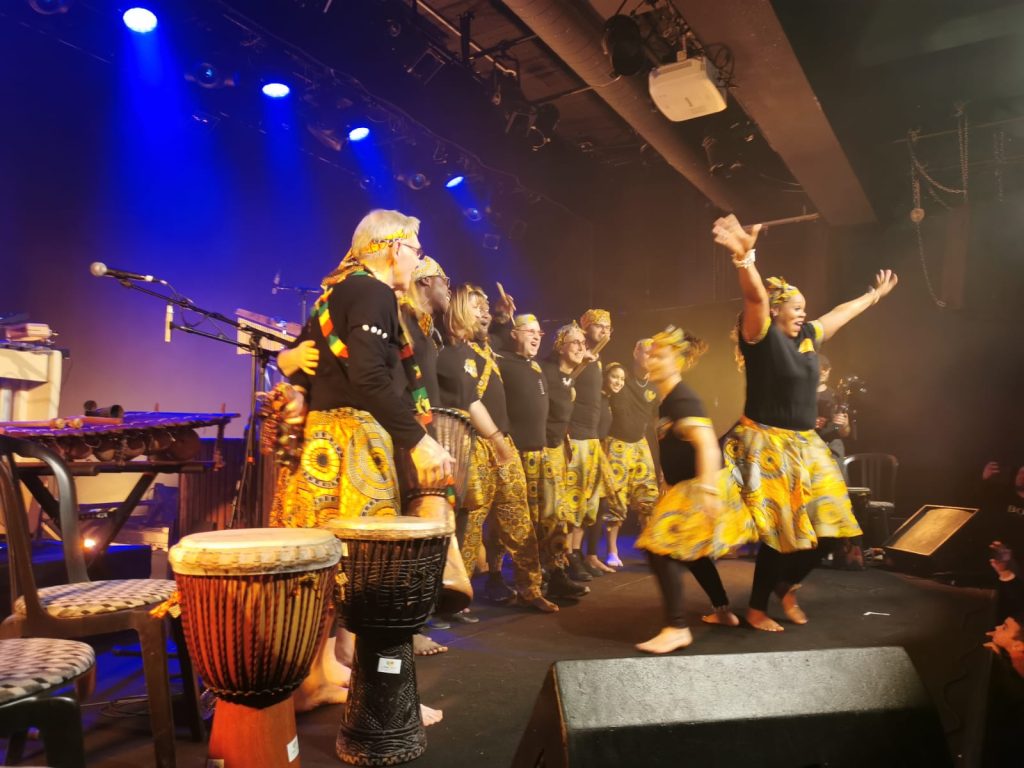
634	402
702	516
470	379
355	412
790	483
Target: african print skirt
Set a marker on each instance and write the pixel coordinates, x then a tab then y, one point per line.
680	527
583	481
791	485
633	477
347	470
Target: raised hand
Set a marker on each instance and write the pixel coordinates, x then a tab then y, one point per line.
885	281
729	232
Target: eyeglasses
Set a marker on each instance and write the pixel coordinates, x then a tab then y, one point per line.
530	331
420	253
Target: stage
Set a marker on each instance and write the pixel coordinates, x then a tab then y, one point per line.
488	681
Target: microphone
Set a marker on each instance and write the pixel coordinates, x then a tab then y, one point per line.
168	323
99	269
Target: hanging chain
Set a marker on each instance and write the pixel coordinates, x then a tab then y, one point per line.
917	215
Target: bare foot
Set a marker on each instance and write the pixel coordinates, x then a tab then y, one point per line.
424	646
723	616
613	560
541	604
334	672
668	640
790	607
430	716
594	562
312	694
761	620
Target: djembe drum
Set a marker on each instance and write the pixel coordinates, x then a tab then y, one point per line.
390	579
254	602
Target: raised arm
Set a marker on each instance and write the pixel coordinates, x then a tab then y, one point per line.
740	242
839	316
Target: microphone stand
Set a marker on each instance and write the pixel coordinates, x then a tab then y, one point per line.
249	492
303	291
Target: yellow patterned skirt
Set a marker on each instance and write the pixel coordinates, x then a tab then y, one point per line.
680	528
347	470
583	481
633	477
791	485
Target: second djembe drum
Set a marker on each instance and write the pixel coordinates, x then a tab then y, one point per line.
253	605
390	578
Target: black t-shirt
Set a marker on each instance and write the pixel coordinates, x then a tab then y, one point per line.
782	377
459	372
364	313
560	408
425	350
526	396
678	457
604	423
633	409
500	336
586	412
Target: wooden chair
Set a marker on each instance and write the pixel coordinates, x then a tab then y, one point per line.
876	471
82	608
32	673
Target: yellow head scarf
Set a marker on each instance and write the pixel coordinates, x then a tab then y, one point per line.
599	316
779	291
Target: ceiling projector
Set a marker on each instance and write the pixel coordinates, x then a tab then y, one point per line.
686	89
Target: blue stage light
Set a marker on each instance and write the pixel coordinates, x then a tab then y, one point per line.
454	181
359	133
139	20
276	90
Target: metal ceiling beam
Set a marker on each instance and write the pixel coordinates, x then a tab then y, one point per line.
775	94
574	33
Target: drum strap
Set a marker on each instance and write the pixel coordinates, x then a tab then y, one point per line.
490	366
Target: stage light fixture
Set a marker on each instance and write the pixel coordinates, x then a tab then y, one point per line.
139	20
623	45
358	133
414	181
472	213
454	181
50	7
275	90
210	76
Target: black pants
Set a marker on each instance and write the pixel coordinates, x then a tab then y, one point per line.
777	572
669	573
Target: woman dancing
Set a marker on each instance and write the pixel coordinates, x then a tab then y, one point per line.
702	515
790	483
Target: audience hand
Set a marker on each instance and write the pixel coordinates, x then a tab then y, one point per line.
1002	561
991	470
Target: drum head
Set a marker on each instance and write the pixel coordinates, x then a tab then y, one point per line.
254	550
389	528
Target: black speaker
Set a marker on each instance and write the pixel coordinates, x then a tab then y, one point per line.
936	539
840	707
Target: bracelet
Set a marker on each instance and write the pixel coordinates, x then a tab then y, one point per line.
493	434
747	261
706	488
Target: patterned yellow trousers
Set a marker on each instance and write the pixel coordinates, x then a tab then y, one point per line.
583	481
545	493
501	488
634	478
347	470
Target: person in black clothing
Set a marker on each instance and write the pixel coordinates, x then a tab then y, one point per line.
428	297
355	414
701	516
634	406
1006	681
790	482
1002	504
527	387
832	424
470	379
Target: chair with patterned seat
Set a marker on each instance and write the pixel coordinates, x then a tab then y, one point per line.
33	673
877	472
83	608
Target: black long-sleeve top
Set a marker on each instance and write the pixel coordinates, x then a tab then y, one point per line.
586	412
364	312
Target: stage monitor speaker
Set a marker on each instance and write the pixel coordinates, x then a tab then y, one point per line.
936	539
840	707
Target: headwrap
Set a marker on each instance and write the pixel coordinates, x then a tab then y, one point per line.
682	343
599	316
779	291
321	313
344	269
563	332
427	267
524	319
